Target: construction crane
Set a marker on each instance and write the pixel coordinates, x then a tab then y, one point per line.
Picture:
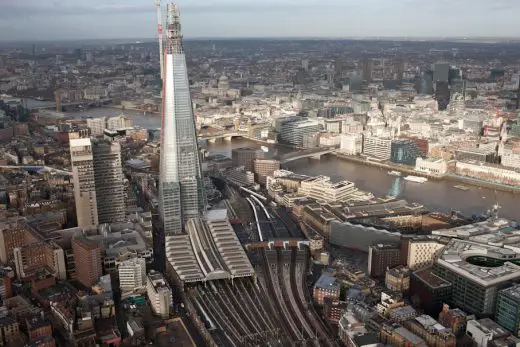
160	34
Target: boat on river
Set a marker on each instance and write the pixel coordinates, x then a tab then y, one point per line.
416	179
394	173
461	187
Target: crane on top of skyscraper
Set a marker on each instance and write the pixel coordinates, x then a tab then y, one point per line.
160	34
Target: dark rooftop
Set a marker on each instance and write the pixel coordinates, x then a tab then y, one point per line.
431	279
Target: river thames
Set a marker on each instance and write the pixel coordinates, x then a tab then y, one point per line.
434	195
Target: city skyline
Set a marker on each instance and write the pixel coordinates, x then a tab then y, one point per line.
287	18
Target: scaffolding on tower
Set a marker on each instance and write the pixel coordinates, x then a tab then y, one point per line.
173	34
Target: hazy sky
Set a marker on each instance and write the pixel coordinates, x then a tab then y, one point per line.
68	19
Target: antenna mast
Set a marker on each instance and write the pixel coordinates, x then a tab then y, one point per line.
160	34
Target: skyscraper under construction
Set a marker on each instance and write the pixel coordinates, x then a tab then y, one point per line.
187	239
181	194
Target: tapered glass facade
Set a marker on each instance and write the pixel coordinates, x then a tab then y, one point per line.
181	194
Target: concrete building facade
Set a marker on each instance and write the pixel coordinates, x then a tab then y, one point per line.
82	161
132	274
87	257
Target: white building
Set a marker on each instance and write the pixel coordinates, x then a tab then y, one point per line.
431	166
330	140
349	126
422	253
95	93
96	126
488	172
119	122
322	189
132	274
511	158
349	327
159	294
485	330
377	147
351	143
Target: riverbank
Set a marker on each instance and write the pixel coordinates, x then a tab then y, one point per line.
410	171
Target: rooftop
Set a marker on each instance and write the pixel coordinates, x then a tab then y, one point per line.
398	271
483	264
403	311
397	207
327	281
210	250
429	323
409	336
429	278
488	325
382	246
489	226
513	292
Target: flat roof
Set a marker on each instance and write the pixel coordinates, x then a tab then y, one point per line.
465	231
454	257
428	277
327	281
408	335
513	291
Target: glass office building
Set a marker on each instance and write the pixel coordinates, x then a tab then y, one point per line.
181	194
404	152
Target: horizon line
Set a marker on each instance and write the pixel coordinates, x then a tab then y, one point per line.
469	39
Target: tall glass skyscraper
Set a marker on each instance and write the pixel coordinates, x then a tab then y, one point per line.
181	194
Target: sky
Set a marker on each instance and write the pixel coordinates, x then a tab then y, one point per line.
37	20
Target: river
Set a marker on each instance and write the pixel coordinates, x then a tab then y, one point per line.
434	195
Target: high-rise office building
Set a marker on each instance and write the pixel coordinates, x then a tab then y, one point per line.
457	97
246	156
441	72
367	69
180	217
82	161
264	168
442	94
159	293
454	75
430	290
3	61
12	235
292	129
382	256
518	95
475	291
87	257
424	83
181	194
507	312
400	70
404	152
377	147
108	176
98	181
